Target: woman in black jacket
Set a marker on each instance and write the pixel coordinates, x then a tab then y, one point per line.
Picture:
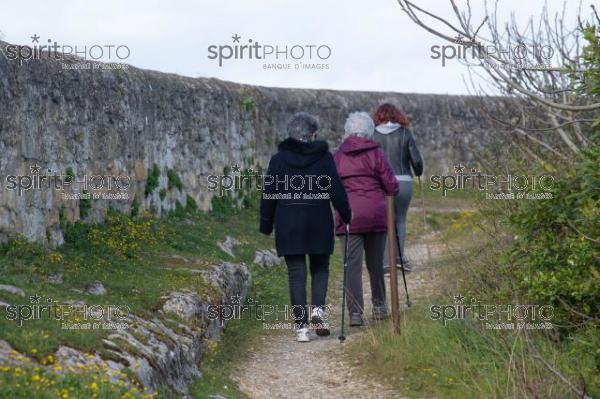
393	133
300	184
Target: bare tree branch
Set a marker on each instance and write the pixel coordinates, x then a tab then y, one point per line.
537	65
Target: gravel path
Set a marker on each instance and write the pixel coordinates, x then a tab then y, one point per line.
280	367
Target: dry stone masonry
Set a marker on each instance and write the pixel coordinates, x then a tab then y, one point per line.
162	135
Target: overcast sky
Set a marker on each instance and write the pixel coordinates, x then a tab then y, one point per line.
374	46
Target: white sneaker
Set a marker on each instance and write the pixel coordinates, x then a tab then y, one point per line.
302	334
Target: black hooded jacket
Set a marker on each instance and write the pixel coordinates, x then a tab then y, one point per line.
399	145
300	184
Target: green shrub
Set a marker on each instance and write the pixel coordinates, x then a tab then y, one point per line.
190	204
162	194
69	175
246	197
249	104
62	218
180	211
174	180
556	250
152	180
590	83
76	234
135	207
125	237
85	205
20	248
224	205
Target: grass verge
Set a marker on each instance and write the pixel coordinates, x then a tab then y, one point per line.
138	260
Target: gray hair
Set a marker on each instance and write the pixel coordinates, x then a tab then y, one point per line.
359	124
302	126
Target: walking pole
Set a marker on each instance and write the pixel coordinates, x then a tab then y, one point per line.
342	337
408	302
391	230
424	216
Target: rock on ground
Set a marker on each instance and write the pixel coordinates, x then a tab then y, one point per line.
164	349
12	289
55	278
267	258
96	288
227	245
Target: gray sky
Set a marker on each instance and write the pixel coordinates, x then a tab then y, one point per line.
374	46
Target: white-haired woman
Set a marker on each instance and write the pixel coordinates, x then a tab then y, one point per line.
368	178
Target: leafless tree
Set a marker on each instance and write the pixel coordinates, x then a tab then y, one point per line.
540	64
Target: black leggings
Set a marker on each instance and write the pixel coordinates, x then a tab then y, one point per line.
319	273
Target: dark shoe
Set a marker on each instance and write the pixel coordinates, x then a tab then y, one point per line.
380	312
356	320
317	320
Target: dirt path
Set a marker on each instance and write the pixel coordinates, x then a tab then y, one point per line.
280	367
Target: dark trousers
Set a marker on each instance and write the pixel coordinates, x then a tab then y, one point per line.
319	273
373	245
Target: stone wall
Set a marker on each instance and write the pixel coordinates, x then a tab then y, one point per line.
122	122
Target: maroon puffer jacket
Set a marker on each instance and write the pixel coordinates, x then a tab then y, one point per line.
368	178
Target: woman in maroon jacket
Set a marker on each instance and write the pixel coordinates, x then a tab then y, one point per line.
368	178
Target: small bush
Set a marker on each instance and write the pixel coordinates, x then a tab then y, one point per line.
179	211
249	103
125	237
135	207
21	248
76	234
246	197
152	180
69	175
555	251
174	180
224	205
85	205
190	204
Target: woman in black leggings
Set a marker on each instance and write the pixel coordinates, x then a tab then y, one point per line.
299	187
